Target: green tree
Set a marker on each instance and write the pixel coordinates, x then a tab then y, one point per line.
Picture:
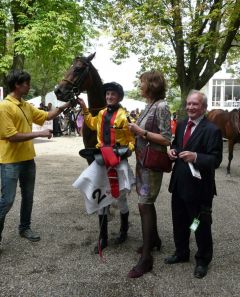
42	36
134	94
187	40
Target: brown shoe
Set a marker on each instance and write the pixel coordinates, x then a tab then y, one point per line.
142	267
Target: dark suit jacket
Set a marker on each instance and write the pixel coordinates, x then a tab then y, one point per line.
206	141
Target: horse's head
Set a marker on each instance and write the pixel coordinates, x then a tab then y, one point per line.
76	80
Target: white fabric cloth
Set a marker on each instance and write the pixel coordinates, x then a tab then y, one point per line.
93	183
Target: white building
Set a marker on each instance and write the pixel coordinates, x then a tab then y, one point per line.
223	91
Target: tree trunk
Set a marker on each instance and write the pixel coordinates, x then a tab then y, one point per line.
17	10
18	62
3	41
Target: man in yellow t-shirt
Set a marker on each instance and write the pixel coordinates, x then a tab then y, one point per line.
17	151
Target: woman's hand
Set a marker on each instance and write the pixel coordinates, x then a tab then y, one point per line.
134	128
148	135
172	154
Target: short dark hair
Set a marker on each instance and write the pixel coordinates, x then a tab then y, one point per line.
156	84
17	77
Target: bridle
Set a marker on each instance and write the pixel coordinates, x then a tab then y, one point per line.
77	84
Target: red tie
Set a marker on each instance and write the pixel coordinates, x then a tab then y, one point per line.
187	134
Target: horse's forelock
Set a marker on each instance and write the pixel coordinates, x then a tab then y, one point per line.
84	60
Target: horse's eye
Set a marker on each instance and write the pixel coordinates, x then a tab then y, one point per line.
77	69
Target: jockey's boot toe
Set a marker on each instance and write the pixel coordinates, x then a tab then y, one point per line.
122	237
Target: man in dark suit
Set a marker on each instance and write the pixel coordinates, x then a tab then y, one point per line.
197	152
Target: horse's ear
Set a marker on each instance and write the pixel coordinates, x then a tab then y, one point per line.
90	57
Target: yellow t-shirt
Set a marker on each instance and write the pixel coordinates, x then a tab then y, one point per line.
17	117
122	134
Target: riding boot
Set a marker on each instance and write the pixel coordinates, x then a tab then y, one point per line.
122	236
103	237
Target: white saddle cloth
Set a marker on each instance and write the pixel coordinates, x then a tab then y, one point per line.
93	183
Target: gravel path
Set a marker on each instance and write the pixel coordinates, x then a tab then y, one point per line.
62	263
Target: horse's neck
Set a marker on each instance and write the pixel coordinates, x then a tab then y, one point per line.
96	99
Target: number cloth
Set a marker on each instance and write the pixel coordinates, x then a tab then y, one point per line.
93	183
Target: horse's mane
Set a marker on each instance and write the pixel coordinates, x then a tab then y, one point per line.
94	73
95	76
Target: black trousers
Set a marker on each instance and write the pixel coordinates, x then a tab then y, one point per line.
183	213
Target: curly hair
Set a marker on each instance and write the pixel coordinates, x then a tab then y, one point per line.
156	84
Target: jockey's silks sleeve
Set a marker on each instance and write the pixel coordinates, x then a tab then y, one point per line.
120	127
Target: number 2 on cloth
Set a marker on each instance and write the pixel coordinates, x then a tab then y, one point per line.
97	194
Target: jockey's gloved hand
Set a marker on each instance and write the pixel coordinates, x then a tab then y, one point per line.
81	102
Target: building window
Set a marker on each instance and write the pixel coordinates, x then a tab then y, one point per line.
226	91
216	94
236	93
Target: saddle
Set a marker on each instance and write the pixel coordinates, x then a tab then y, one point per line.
120	151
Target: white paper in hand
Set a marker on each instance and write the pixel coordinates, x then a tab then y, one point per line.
195	172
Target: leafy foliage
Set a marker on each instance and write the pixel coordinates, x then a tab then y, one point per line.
42	36
187	40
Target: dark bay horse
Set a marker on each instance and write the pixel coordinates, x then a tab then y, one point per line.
82	76
229	123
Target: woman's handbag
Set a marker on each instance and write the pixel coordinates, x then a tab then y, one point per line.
156	160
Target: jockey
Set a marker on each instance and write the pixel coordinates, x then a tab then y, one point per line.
111	125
